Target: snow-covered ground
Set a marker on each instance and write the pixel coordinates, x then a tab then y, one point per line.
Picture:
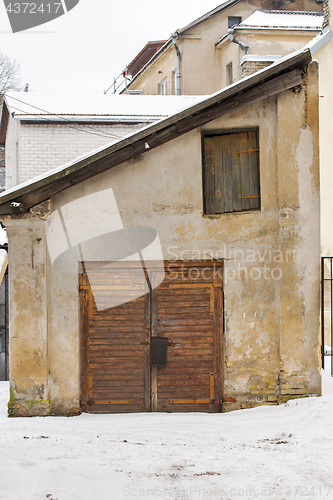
268	453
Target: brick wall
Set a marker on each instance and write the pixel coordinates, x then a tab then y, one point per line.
326	10
32	149
12	152
250	67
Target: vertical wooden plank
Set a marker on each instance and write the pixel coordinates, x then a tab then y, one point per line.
254	169
209	175
85	312
219	199
90	383
218	328
212	386
236	173
147	354
226	162
153	332
153	379
244	167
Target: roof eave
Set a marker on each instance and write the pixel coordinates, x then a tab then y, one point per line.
208	15
148	63
222	102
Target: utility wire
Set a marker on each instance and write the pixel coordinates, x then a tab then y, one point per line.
42	117
105	134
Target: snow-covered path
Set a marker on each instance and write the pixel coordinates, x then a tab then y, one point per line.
268	452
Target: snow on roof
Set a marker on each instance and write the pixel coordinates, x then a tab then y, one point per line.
94	107
283	19
256	58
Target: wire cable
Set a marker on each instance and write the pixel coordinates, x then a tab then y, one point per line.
105	134
42	117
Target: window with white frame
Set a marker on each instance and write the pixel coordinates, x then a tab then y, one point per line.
163	87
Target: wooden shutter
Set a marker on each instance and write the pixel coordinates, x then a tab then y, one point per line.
231	173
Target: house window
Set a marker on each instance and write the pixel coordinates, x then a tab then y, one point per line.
230	76
233	20
173	81
162	87
231	172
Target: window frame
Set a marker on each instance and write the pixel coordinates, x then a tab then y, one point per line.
163	84
230	73
239	20
224	132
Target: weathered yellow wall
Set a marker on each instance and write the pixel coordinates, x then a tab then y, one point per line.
203	65
275	42
271	275
325	58
28	359
199	65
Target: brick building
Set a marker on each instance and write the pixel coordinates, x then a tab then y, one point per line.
42	131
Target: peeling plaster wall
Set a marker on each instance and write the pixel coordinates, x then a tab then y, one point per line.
28	353
271	272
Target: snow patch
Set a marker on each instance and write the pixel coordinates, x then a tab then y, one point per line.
271	452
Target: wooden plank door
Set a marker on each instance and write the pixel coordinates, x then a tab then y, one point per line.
187	309
115	341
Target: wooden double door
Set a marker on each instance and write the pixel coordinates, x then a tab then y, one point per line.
182	305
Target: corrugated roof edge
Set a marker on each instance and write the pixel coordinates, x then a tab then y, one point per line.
70	171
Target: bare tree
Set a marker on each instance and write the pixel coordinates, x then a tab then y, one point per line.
9	74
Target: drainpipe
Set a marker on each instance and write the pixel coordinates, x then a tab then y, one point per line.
174	41
231	32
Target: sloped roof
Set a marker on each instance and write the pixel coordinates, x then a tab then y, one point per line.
281	75
282	19
32	106
47	107
144	56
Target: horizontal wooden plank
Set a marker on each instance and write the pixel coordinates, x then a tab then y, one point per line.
114	402
183	329
133	331
201	309
189	401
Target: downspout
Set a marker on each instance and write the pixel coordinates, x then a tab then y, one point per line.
174	41
231	32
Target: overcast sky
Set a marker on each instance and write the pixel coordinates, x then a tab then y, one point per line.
91	44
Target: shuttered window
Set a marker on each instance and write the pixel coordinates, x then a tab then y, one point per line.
231	172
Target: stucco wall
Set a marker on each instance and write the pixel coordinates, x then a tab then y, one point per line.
325	58
271	274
